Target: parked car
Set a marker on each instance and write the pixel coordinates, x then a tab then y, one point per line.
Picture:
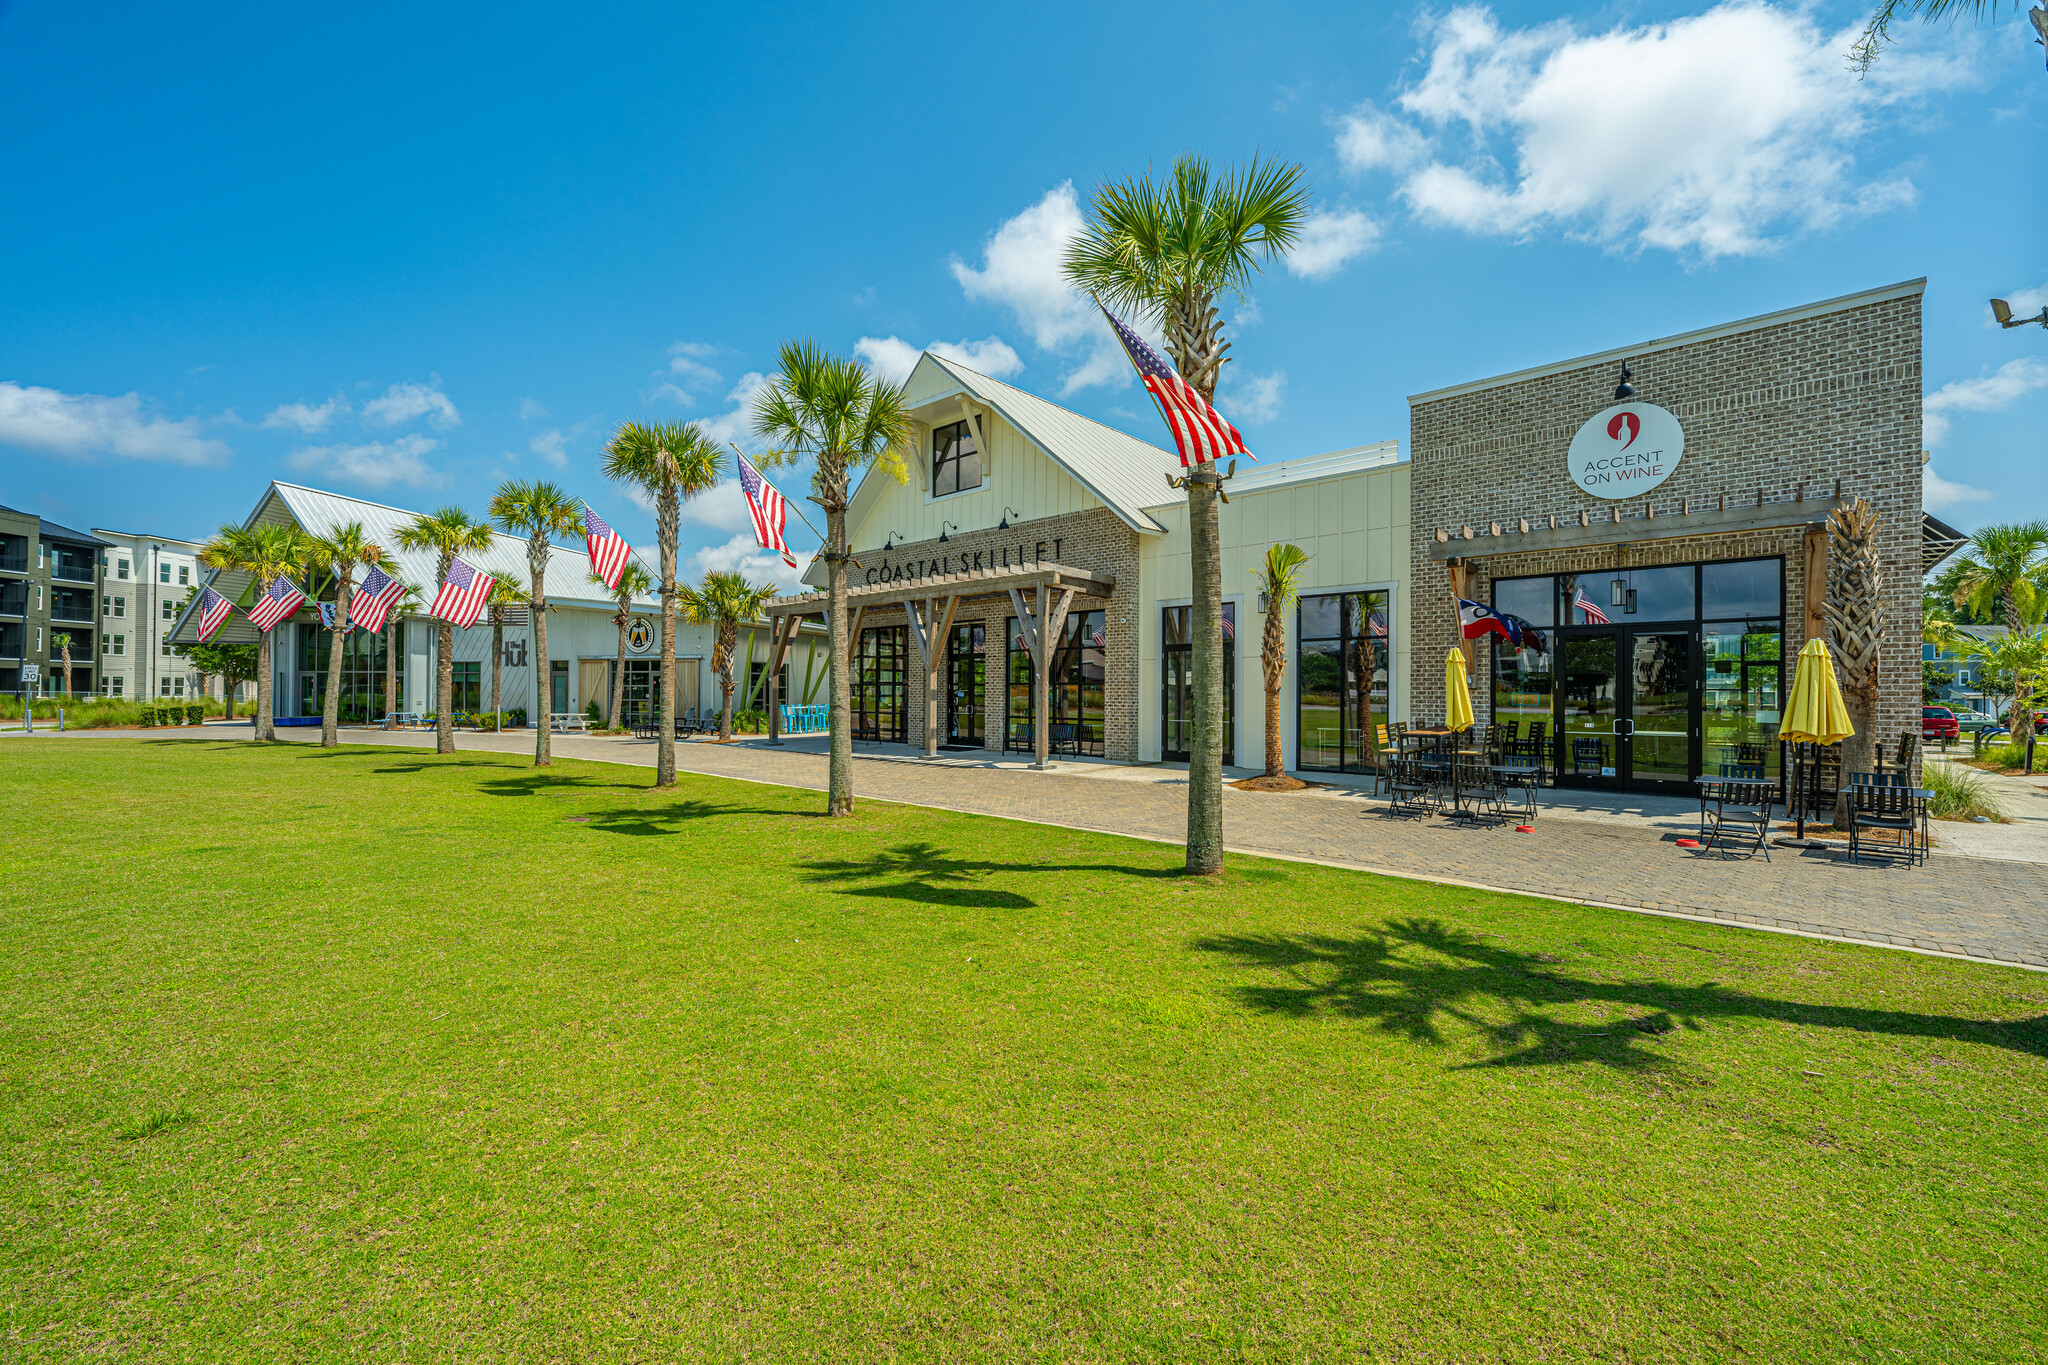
1939	723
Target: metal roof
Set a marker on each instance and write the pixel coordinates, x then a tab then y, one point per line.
1938	540
320	513
1125	474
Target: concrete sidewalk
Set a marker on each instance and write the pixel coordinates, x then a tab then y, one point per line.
1586	848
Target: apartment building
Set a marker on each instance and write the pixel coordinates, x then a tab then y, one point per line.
49	591
146	581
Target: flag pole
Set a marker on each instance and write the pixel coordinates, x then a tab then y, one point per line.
799	514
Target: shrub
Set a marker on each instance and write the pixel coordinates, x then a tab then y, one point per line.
1961	794
749	722
594	713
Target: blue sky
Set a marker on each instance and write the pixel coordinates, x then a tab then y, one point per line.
408	252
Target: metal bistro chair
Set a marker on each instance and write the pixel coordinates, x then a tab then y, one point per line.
1742	810
1588	756
1475	779
1520	779
1881	802
1412	786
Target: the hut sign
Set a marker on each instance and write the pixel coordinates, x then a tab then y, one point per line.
1626	450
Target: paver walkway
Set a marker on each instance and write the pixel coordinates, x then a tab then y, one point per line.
1582	851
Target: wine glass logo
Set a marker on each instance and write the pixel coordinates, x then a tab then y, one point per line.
1624	421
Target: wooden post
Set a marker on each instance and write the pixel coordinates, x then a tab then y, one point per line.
784	631
941	631
1816	562
1461	585
921	643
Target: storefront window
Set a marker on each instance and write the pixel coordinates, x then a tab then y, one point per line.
1522	678
1343	657
1177	682
1743	663
880	710
362	671
1073	687
468	693
1743	588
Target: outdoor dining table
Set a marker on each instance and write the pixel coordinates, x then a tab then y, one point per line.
1439	748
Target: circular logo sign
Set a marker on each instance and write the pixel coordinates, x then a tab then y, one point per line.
639	635
1624	450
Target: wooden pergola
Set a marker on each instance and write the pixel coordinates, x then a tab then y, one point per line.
1040	595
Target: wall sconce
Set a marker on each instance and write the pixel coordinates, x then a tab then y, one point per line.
1262	604
942	529
1008	512
890	543
1624	391
1617	591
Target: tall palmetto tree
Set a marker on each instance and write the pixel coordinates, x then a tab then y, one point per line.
2004	576
265	553
540	511
504	596
634	581
1279	577
725	602
448	532
671	464
830	410
1170	253
61	641
339	553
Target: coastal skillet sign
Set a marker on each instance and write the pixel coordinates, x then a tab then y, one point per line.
1624	450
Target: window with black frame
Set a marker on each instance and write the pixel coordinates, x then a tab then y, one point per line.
1073	687
880	698
1177	683
362	671
956	459
1343	662
1523	678
1742	661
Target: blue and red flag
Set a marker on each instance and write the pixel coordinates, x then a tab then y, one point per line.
1477	619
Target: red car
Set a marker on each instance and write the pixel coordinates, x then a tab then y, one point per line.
1938	722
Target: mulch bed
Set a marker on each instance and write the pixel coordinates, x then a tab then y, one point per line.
1282	783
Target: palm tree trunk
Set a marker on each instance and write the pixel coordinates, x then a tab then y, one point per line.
727	643
67	672
390	667
265	730
497	670
1205	757
839	798
618	675
667	522
330	706
1273	658
543	753
444	690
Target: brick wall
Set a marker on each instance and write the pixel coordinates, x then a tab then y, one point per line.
1782	409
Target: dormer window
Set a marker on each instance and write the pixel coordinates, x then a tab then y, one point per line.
956	459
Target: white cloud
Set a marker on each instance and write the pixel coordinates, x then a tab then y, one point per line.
1249	398
1938	494
1020	269
736	423
81	425
687	373
1370	139
1328	240
742	555
530	408
724	508
373	464
1990	393
1718	134
408	400
304	416
549	446
892	358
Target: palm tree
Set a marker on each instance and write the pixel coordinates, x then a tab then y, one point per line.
1877	34
538	510
831	410
725	601
404	606
2005	571
265	553
1167	254
62	643
1280	579
340	552
634	581
504	596
671	464
448	532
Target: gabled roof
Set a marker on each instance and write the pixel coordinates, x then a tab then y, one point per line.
1122	472
320	513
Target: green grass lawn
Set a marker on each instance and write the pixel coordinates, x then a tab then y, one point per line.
368	1054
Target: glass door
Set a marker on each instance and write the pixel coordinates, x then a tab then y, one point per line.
967	674
1177	684
1626	710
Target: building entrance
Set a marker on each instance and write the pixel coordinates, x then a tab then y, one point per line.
967	686
1628	710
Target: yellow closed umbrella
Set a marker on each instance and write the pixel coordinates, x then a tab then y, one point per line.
1814	713
1457	696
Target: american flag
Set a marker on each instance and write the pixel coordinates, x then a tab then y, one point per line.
463	593
213	614
1097	638
1376	623
608	549
1585	604
277	604
375	599
1230	620
1199	432
768	509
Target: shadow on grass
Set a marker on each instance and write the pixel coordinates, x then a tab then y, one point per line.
1415	976
668	819
930	875
536	783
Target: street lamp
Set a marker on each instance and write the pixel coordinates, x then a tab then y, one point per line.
2002	310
